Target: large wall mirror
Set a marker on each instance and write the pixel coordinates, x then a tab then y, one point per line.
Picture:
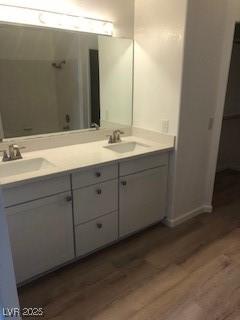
56	80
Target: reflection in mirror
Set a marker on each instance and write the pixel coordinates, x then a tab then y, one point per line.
54	81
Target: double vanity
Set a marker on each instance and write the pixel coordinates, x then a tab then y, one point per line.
73	192
65	203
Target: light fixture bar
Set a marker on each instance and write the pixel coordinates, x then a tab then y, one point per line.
32	17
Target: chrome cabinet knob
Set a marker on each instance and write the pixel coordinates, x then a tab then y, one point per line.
99	191
69	198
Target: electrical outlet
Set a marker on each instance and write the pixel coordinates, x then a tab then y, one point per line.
165	126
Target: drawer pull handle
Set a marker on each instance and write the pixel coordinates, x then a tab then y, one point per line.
69	198
124	183
99	225
98	174
99	191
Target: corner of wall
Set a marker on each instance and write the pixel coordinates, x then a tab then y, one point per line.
174	222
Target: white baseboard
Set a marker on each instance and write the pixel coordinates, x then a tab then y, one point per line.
207	209
189	215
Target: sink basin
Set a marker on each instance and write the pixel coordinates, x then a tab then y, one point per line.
125	147
23	166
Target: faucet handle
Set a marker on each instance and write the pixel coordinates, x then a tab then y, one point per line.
18	152
5	157
110	141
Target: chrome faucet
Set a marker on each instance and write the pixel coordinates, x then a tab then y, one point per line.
12	154
115	137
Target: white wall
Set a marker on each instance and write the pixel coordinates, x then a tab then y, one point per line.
120	12
209	36
199	97
159	40
202	58
116	80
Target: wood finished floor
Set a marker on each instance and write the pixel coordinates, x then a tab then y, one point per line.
191	272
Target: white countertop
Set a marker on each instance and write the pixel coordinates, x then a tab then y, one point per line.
76	157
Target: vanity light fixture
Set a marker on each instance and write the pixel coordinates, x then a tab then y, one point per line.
32	17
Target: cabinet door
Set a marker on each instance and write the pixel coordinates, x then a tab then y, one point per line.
41	234
142	199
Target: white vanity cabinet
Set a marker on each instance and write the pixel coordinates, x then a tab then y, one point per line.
142	193
53	221
41	231
95	205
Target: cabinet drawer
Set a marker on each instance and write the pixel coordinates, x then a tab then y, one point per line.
144	163
95	201
96	234
94	175
36	190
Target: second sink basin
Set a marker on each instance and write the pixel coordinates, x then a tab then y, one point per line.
125	147
17	167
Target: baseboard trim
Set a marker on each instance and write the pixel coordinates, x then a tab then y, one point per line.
207	209
189	215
